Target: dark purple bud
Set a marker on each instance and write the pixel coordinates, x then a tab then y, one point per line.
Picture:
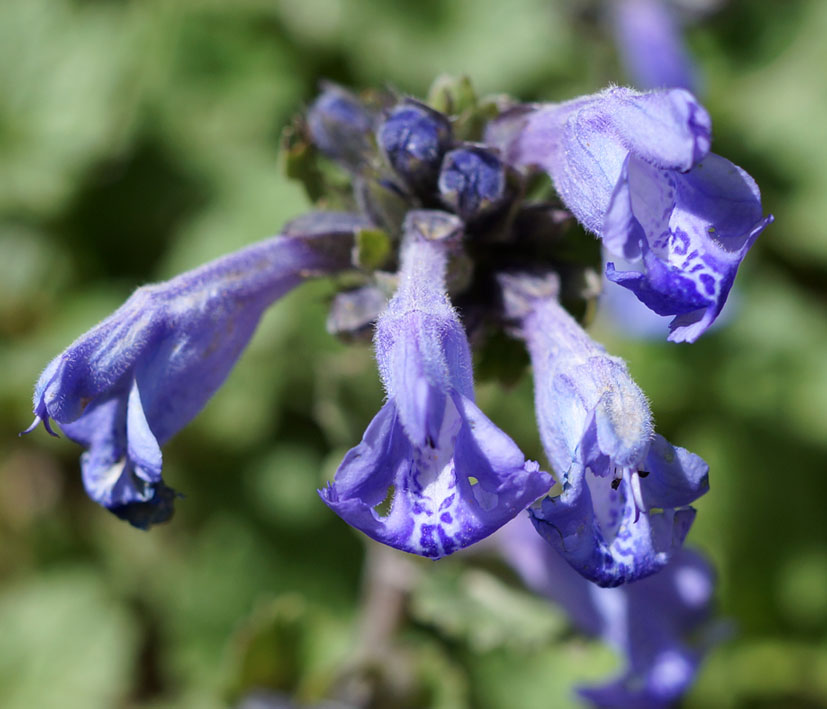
472	181
340	126
414	138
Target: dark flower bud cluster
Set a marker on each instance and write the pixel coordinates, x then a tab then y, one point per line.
400	154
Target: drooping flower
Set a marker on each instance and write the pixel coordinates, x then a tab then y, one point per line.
451	475
134	380
651	48
623	511
661	625
636	170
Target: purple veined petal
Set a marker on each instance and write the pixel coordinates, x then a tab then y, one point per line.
623	511
697	227
435	507
109	476
601	532
451	477
623	233
624	314
636	170
615	530
131	382
651	48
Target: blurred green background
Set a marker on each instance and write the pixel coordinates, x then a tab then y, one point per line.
139	138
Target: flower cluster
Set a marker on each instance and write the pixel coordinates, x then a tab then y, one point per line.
447	253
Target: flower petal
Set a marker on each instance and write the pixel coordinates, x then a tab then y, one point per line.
583	143
697	229
675	477
435	506
602	534
142	447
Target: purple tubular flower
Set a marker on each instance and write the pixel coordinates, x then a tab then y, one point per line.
650	44
650	622
134	380
453	477
624	509
635	169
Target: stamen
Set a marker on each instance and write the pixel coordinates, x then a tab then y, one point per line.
34	424
31	427
637	495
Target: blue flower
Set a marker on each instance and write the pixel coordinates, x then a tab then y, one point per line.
133	381
650	44
662	624
452	477
635	169
623	510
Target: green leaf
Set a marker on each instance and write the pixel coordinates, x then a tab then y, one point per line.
65	643
373	246
474	606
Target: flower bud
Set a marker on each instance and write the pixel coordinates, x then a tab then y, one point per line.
340	126
414	138
472	181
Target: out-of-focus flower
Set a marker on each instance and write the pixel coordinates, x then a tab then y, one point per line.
660	624
623	511
133	381
648	38
636	170
341	126
451	475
